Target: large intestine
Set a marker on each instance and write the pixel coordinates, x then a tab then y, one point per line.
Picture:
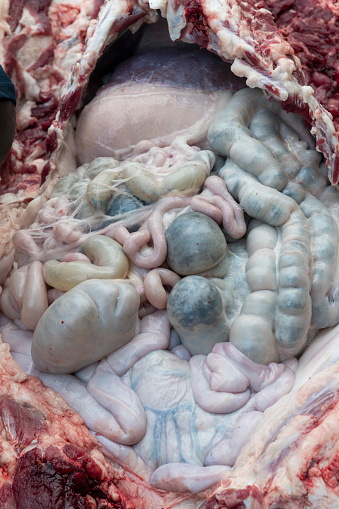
240	225
192	409
287	291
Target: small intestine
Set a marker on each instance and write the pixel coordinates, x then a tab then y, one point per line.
155	245
163	322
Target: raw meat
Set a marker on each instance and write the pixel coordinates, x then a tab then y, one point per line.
187	432
258	50
241	32
48	458
59	33
43	41
312	30
279	298
293	460
39	43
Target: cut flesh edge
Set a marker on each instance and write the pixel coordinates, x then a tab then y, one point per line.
106	28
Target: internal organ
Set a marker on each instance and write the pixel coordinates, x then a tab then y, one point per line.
172	411
292	460
49	457
280	168
317	52
157	96
272	296
101	312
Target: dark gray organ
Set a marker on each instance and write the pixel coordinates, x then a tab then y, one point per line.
195	244
195	309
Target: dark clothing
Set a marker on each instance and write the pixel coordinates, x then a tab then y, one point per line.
7	90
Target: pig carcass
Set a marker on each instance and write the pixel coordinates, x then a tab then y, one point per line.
267	62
